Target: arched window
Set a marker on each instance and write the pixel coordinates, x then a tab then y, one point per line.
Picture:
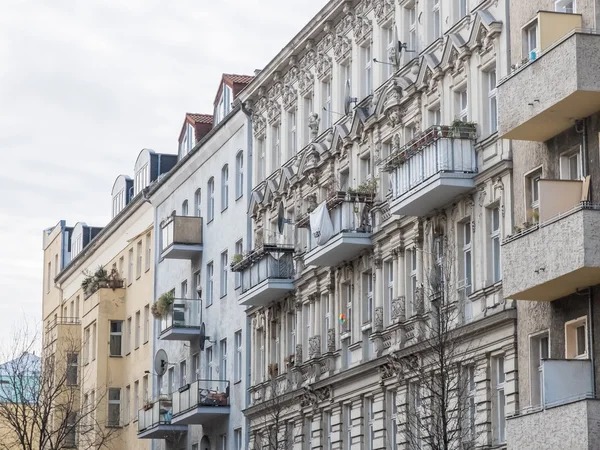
184	208
224	187
210	211
239	175
198	203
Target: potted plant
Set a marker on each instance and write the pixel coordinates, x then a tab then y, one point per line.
237	258
463	129
162	306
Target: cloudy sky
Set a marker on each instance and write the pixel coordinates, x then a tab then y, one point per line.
84	86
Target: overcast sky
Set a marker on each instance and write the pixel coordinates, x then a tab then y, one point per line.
84	86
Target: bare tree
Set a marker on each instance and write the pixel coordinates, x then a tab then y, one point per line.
41	402
441	404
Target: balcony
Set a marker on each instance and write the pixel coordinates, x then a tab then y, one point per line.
558	256
432	169
182	321
65	329
202	402
545	96
568	416
267	274
181	237
154	421
349	221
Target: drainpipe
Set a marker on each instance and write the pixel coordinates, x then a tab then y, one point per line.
591	339
154	322
248	244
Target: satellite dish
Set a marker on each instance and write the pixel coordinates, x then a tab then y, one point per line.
348	99
161	362
203	336
280	218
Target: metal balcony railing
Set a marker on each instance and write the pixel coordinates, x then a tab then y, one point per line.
271	261
155	413
201	393
183	313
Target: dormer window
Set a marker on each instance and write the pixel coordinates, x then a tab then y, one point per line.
142	177
188	140
224	105
118	202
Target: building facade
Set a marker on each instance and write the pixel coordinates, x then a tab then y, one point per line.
549	260
381	188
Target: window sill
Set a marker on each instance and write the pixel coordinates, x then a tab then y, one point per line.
237	287
239	197
237	382
210	221
137	348
223	296
208	305
138	277
146	342
224	209
128	353
147	270
115	356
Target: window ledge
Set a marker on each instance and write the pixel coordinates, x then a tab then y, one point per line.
115	356
239	197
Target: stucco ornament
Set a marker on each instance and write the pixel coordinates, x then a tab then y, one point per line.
331	339
313	125
379	318
314	347
398	310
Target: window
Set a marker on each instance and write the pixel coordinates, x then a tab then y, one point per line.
209	283
414	412
94	336
570	165
171	380
210	212
435	116
209	363
260	352
146	323
224	187
292	133
436	20
122	266
530	41
239	250
533	195
183	373
345	85
388	48
116	338
370	403
492	102
114	407
348	296
196	366
72	368
495	244
262	160
136	397
462	9
198	203
462	103
238	357
184	208
148	251
388	273
237	439
128	341
367	56
291	326
348	427
145	392
239	175
130	270
309	432
327	429
539	349
365	168
223	368
308	110
223	442
576	339
469	406
326	98
413	286
327	320
49	276
126	411
140	255
71	431
500	417
275	147
411	26
393	429
307	324
565	6
224	271
137	329
368	296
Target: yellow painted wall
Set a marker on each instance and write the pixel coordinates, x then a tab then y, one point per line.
553	26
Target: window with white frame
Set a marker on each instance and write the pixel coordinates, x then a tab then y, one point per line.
139	259
239	174
388	273
198	203
565	6
223	365
570	164
413	286
292	133
345	87
275	147
72	368
436	20
366	171
470	408
239	250
435	116
367	280
393	426
210	272
260	360
388	47
462	104
114	407
411	28
237	439
462	9
261	167
238	363
116	338
539	350
148	251
196	366
370	407
326	97
465	286
533	195
146	323
530	41
347	288
137	328
223	442
225	187
224	271
291	326
494	215
327	322
576	339
171	380
367	60
87	342
327	424
348	427
414	412
183	373
307	324
500	402
492	106
209	363
128	340
130	267
184	208
136	398
210	211
309	432
94	340
308	110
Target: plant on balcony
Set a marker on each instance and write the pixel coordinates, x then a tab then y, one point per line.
273	370
237	258
101	279
463	129
163	305
148	405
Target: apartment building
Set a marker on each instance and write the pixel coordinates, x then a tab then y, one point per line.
201	223
548	104
380	181
98	291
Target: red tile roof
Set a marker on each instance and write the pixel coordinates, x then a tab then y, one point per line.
200	118
242	79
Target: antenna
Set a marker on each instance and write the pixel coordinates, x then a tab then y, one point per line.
161	362
281	220
348	99
404	47
333	112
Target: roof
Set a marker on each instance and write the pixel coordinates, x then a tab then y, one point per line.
235	82
200	118
232	78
